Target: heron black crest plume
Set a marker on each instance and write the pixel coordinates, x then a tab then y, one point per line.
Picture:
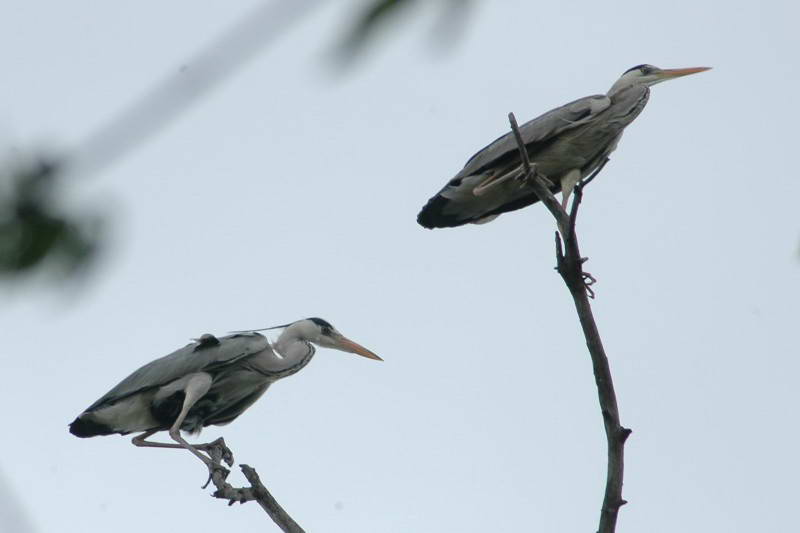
261	329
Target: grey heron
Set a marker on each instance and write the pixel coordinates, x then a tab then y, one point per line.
565	145
210	381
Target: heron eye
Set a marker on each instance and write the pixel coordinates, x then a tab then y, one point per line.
646	70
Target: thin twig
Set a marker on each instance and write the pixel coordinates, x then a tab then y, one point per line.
594	174
536	180
578	196
570	267
523	152
255	492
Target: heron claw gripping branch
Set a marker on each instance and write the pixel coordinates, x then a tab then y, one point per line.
218	451
213	468
588	281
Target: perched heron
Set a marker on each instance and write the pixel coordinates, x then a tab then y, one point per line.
565	145
210	381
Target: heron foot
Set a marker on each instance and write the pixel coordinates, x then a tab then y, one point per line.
588	281
523	177
218	451
214	468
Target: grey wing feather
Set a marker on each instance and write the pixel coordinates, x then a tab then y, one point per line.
539	130
193	357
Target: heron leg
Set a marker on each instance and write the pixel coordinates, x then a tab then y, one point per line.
196	387
491	181
568	182
141	441
535	171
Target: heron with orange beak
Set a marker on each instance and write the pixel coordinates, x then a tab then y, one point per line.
210	381
565	146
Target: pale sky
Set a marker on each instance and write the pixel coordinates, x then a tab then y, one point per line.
291	191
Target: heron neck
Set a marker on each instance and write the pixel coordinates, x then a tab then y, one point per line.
623	85
294	352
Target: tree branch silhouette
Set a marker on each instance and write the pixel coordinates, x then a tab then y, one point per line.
569	265
255	492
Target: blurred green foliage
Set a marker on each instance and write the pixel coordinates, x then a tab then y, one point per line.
371	17
35	230
374	16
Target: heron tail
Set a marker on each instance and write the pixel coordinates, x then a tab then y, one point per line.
84	426
432	215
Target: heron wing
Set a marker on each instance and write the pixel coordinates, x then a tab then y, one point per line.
537	131
194	357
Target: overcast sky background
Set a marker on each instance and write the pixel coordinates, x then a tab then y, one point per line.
292	191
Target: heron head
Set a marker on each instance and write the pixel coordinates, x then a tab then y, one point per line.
648	75
323	334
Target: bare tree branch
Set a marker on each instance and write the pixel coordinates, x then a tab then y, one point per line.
570	267
255	492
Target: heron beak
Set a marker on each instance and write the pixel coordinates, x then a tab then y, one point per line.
672	73
345	344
